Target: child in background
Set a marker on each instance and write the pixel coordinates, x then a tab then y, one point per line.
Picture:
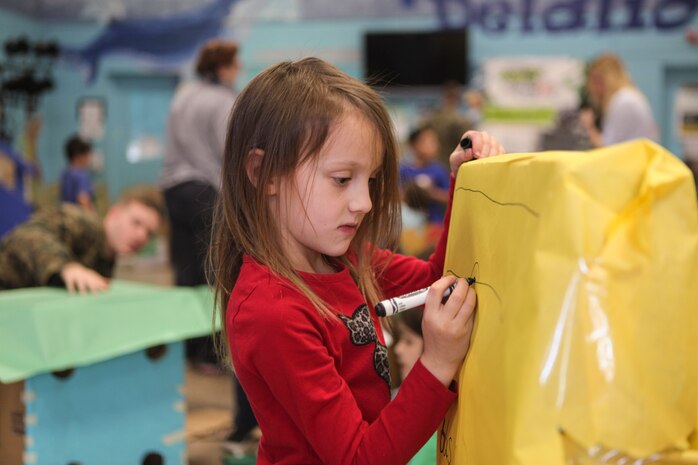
428	174
424	185
309	193
76	185
408	349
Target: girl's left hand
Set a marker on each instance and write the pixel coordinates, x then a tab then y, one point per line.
483	145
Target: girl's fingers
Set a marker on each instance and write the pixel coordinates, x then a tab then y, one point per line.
82	286
484	145
486	148
436	291
480	143
457	298
476	139
460	303
467	309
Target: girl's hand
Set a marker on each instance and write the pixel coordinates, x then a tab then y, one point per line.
447	327
484	145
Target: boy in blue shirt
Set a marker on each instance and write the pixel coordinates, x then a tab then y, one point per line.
424	183
426	175
76	185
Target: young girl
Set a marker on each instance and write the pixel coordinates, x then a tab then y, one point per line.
309	193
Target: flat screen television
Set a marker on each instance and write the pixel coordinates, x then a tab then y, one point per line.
416	58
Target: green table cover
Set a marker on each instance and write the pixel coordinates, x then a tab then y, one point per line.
47	329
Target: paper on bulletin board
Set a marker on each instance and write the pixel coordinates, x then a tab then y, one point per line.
585	348
534	81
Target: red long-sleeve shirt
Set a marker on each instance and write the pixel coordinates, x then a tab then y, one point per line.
319	387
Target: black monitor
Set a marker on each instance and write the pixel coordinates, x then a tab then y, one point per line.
416	58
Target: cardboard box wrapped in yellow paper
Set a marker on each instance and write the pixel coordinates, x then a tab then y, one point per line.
586	335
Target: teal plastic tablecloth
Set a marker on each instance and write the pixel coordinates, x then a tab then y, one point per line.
46	329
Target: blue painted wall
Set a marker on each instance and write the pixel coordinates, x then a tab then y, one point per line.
12	24
654	58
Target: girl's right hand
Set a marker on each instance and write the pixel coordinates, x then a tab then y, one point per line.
447	327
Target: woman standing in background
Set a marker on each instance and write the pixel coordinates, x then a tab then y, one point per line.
190	177
624	110
195	141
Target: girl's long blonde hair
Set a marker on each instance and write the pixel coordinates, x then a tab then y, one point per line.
610	70
287	112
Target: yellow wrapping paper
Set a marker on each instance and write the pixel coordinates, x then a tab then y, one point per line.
585	349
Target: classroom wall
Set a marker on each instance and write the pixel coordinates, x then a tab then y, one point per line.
12	25
657	59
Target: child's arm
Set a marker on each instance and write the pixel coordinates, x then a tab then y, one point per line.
438	194
404	273
447	326
85	200
288	351
41	251
85	190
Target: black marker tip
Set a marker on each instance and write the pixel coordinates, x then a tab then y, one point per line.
470	281
466	143
380	310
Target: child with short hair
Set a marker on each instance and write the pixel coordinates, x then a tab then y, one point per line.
309	196
76	185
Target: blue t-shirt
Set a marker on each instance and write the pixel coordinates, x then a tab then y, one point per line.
440	177
73	182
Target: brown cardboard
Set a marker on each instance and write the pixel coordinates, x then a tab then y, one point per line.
11	423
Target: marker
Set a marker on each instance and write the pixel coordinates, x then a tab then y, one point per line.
466	143
414	299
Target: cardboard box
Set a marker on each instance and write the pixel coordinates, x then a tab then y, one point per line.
11	422
114	412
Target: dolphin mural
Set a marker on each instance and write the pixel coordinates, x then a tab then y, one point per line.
174	37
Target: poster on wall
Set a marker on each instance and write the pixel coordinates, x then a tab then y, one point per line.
527	82
91	114
526	96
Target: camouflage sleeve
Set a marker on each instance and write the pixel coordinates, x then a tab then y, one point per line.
34	253
33	256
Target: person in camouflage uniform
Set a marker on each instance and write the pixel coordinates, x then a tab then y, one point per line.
68	246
